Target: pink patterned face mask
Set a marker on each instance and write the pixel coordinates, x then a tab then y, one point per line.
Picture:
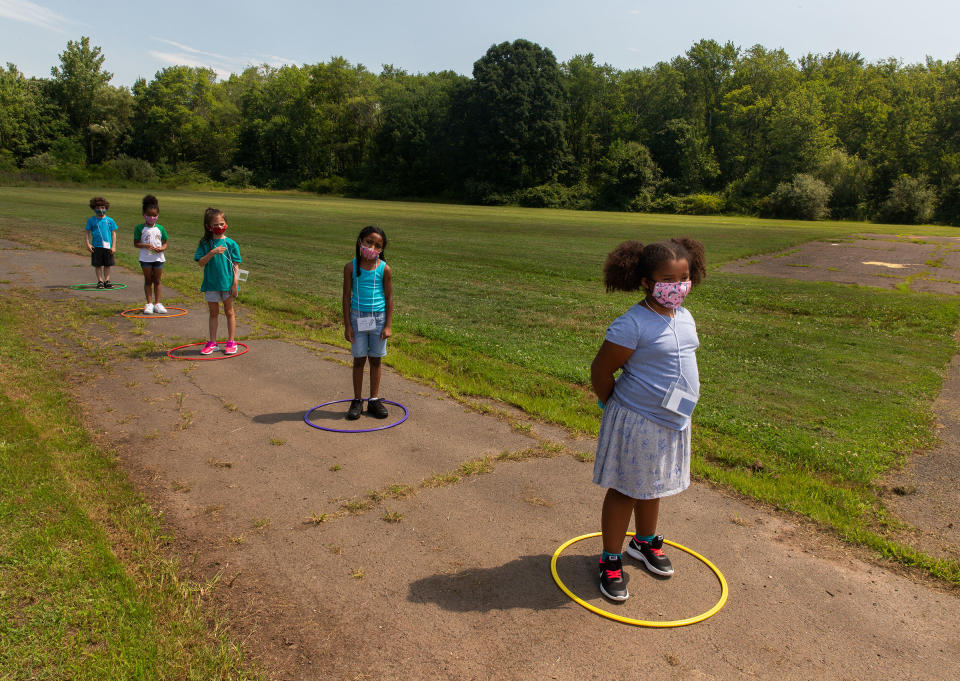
670	294
150	220
369	253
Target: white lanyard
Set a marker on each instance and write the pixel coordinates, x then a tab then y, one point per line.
373	289
677	400
368	323
672	327
103	242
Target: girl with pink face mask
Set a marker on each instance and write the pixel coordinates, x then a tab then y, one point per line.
368	316
643	450
151	238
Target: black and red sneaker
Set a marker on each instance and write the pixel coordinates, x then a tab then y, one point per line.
612	584
651	554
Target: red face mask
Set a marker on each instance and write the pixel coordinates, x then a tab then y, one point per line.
218	230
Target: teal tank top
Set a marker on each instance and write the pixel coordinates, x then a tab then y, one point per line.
367	290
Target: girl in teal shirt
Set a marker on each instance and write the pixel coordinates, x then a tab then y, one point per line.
220	257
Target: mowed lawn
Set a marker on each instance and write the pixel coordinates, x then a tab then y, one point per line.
810	390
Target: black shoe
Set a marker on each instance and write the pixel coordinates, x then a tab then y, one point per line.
651	554
99	284
611	580
376	409
353	413
107	284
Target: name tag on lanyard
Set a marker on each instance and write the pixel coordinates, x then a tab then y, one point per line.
369	323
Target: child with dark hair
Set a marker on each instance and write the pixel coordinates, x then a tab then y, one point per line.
219	257
643	450
368	316
99	236
151	238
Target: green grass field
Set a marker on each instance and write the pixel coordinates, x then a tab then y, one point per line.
87	588
826	386
811	391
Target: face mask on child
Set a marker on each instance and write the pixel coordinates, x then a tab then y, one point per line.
150	220
100	210
670	294
218	229
369	253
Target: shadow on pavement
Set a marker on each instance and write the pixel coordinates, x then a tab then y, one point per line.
521	583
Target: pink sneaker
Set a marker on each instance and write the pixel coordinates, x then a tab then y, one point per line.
231	348
208	348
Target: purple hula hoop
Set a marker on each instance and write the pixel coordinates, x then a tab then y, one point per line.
306	418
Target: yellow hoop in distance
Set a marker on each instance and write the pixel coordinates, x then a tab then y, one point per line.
627	620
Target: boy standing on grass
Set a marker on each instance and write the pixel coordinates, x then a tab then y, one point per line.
101	241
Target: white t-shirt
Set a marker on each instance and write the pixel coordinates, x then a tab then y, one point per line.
152	236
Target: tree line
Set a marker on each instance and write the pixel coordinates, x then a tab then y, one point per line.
717	129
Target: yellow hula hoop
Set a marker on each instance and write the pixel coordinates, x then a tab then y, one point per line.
641	623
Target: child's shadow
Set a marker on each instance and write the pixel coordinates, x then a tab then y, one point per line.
522	583
315	415
279	417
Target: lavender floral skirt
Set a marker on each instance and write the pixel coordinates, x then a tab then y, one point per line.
640	458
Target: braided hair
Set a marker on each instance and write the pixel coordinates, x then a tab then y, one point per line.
365	232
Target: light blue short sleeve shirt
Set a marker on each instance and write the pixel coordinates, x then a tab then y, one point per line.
655	365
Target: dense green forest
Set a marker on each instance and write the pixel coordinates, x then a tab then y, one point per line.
717	129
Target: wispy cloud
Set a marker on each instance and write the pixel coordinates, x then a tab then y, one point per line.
272	60
193	50
183	59
222	64
31	13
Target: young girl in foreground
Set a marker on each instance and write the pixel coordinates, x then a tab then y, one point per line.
368	316
151	238
643	451
220	257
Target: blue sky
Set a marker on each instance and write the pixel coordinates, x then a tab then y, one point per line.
138	38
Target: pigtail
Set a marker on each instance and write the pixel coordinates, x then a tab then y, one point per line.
622	271
630	262
356	258
697	258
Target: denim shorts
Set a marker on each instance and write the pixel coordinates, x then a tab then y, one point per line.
368	343
157	265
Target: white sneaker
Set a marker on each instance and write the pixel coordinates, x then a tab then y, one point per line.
148	308
159	309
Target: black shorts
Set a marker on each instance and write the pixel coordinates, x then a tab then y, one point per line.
158	265
101	257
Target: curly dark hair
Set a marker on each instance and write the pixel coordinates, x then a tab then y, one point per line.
99	201
631	262
150	201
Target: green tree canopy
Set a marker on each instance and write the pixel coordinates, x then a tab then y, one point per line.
516	116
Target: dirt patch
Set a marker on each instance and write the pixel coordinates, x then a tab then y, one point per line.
930	264
335	560
926	493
